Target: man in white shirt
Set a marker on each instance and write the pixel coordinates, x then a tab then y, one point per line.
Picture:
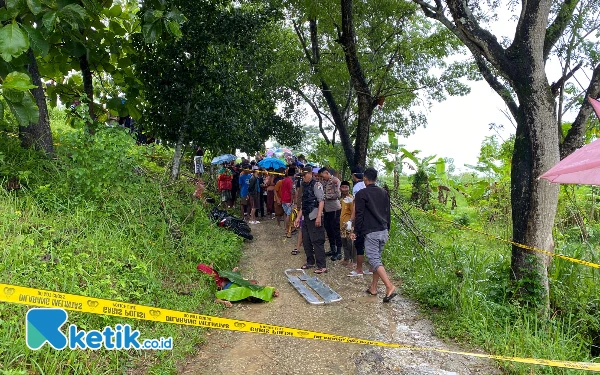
357	177
359	243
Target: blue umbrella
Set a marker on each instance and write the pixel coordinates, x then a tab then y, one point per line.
223	159
271	162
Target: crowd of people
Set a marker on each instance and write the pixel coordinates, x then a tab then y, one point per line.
354	217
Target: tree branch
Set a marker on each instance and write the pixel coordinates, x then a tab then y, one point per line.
576	135
315	110
303	43
558	26
558	84
478	40
495	84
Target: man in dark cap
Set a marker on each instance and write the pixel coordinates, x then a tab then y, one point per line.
311	212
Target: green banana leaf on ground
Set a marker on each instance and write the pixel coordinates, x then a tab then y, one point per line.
237	293
236	278
242	289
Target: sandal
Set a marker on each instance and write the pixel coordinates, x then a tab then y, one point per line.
307	266
369	293
295	252
321	270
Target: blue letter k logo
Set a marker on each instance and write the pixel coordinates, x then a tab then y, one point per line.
44	325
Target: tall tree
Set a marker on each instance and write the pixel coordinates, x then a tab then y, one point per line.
362	54
516	70
215	86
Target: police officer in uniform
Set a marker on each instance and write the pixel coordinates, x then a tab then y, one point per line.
313	231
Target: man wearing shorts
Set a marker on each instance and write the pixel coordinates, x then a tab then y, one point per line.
372	207
243	182
254	195
359	243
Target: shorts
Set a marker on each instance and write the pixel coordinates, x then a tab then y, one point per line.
287	208
255	201
244	201
359	244
374	243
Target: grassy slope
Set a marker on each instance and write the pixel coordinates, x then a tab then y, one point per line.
463	282
98	222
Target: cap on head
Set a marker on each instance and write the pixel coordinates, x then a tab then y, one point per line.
357	170
306	169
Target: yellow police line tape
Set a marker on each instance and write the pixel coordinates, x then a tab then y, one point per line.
50	299
526	247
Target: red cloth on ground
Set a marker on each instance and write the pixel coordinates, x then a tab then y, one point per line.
221	281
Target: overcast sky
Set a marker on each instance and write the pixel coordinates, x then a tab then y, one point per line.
457	126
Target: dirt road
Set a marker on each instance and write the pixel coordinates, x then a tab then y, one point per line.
357	315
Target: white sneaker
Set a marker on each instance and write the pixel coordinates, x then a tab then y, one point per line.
252	222
257	222
354	274
367	272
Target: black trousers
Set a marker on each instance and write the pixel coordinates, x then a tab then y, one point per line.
332	226
261	207
313	239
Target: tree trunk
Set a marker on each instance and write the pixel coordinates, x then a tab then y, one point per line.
88	88
38	136
339	122
361	144
533	201
177	158
359	82
175	168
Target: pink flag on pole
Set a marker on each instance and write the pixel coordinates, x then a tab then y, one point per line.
582	166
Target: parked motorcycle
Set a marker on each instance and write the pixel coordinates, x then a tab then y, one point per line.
225	220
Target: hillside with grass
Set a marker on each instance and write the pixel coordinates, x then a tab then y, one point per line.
101	220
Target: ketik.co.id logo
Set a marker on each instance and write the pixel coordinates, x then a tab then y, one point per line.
43	325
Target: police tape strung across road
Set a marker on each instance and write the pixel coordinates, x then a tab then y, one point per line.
526	247
45	298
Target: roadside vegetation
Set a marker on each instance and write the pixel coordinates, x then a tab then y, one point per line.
100	220
461	277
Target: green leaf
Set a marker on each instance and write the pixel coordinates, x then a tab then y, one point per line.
174	29
18	81
238	293
116	28
152	31
175	15
49	20
15	7
75	48
237	278
133	111
115	11
74	14
35	6
13	41
13	96
38	43
4	16
26	111
1	110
